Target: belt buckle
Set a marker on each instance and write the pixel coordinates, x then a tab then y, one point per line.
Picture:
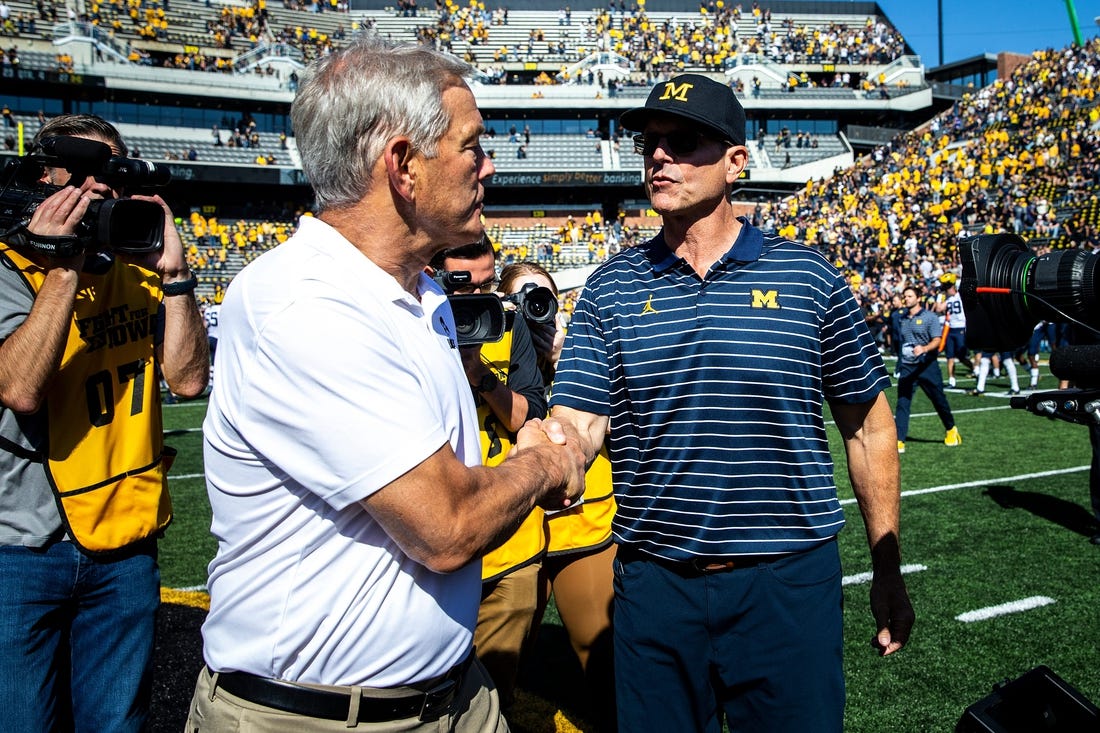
438	699
706	566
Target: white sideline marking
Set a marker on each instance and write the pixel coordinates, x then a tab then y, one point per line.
983	482
1025	604
866	577
192	588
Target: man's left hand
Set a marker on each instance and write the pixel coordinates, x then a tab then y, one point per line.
170	261
892	610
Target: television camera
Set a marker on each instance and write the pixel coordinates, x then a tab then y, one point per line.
122	225
1007	289
479	318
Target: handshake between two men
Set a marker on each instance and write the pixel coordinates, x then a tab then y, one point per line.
560	442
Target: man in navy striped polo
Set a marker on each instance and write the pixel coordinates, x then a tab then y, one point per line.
705	356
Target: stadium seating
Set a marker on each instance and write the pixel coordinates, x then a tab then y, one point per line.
1020	155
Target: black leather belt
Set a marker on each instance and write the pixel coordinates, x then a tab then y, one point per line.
697	566
332	705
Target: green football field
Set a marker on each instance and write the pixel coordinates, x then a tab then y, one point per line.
994	540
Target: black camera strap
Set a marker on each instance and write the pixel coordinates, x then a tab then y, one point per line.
63	245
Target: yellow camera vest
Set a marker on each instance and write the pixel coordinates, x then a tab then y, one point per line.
588	526
105	458
528	544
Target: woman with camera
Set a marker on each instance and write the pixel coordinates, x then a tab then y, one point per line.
577	568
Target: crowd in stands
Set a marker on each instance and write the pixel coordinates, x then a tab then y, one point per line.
217	250
713	40
1022	155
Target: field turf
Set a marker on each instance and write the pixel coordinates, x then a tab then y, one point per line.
994	534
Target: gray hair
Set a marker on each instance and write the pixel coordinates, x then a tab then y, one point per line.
357	99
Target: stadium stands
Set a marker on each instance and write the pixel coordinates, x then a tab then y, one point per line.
1020	155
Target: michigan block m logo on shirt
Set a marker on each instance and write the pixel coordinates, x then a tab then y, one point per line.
765	298
679	92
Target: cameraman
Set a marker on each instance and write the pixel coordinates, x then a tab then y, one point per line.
509	390
83	493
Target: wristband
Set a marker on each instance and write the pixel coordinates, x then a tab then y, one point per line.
180	287
487	384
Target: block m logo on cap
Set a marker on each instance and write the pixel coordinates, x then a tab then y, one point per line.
679	92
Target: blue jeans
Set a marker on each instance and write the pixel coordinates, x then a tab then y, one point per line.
761	644
76	638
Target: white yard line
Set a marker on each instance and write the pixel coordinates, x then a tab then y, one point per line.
984	482
1024	604
866	577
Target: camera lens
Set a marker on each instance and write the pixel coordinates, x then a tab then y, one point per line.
478	318
539	304
465	322
1007	289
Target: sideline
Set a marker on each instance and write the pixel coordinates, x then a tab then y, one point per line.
982	482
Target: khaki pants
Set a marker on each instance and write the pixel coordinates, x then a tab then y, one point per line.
504	622
475	710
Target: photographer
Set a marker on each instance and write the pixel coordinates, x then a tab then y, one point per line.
84	490
580	553
509	391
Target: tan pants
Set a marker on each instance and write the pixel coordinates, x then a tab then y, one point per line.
583	588
475	710
504	623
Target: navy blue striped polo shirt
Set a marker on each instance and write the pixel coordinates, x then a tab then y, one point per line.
713	389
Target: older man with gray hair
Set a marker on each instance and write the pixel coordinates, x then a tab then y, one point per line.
341	442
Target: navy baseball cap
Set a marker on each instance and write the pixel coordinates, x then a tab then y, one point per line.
694	97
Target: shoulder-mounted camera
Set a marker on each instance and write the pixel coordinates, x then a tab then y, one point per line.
480	318
122	224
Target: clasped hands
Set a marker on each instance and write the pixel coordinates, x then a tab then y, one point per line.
561	443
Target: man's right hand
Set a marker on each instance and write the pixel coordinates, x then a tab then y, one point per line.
57	216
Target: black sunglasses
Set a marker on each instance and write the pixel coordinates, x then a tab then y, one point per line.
680	142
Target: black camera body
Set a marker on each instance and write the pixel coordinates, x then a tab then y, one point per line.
1007	289
122	224
536	303
479	318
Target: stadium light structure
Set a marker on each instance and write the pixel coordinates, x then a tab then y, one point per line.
939	23
1072	10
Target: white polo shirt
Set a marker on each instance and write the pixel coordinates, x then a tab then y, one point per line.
332	382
